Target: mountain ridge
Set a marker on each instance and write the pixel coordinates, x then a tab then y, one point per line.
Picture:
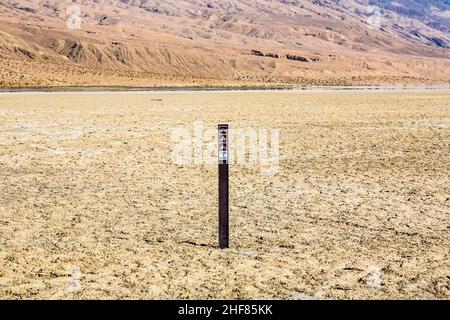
131	42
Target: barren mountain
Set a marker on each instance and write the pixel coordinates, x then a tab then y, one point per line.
226	42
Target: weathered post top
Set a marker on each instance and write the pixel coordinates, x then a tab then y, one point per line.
223	144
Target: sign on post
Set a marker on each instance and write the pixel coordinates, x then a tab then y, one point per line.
223	186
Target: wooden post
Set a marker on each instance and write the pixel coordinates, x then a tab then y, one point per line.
223	187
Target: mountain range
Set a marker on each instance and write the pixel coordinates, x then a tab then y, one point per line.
226	42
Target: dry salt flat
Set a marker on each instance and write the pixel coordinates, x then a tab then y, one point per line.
92	206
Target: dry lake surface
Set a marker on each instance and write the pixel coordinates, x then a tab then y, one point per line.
92	206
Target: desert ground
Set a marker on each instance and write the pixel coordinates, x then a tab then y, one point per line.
92	206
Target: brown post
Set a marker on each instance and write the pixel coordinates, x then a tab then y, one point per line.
223	187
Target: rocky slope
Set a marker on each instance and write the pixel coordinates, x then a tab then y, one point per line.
201	42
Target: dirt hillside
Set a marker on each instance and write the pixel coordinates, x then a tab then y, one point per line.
233	42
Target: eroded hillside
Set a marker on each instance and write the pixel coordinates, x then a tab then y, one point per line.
232	42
